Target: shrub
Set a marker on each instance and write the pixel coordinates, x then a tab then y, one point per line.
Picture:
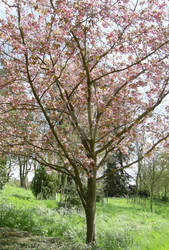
3	173
144	193
44	185
164	198
16	218
71	196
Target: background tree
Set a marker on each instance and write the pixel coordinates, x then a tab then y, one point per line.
62	180
137	150
153	173
140	165
71	195
3	172
25	166
44	184
163	184
116	182
81	76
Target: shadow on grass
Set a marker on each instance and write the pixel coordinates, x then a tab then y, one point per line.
16	239
22	197
11	239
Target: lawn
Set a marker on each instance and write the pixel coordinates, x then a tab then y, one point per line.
121	224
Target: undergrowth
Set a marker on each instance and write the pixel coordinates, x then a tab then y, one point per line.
120	225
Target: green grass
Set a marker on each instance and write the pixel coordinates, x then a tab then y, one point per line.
120	225
135	225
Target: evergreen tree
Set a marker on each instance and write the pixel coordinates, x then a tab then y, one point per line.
116	181
44	184
71	195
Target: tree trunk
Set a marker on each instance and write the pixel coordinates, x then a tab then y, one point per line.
23	171
61	196
90	210
23	182
137	178
165	193
151	199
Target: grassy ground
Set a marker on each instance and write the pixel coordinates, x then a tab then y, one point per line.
27	223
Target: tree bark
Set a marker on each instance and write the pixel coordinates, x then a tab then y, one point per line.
23	171
151	199
90	210
23	182
165	192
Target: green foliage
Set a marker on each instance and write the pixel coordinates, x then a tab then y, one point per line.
3	172
72	199
16	218
155	177
120	225
43	184
100	191
116	181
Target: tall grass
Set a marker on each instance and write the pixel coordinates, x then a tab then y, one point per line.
120	225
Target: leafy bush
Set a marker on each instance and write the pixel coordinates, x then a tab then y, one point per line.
44	185
3	172
71	196
12	217
164	198
73	201
144	193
